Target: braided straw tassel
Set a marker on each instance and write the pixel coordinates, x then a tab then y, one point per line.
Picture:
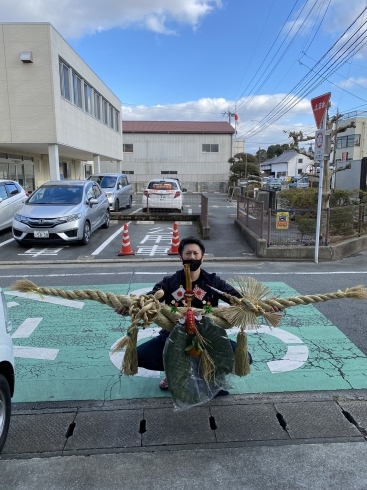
130	362
241	357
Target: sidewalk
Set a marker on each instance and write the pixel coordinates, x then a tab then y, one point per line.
140	425
300	440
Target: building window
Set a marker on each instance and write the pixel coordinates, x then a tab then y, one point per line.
112	117
128	172
210	148
77	91
348	141
87	98
300	160
97	106
117	118
104	111
64	81
168	171
128	148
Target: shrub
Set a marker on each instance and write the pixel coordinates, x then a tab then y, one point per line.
307	226
298	198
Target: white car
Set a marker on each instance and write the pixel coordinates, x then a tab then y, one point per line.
163	194
12	197
6	370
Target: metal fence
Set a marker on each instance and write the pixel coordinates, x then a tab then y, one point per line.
251	213
298	226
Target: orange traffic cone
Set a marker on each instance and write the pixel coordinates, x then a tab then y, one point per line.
175	241
125	246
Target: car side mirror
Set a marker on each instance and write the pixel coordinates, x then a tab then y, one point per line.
184	190
92	201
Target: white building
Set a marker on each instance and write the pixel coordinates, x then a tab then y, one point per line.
56	114
195	152
352	144
289	164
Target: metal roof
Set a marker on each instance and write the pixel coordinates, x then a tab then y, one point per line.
177	127
283	158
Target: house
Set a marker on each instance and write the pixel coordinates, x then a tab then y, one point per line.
56	113
352	144
197	153
289	164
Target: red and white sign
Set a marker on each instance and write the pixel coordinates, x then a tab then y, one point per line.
319	106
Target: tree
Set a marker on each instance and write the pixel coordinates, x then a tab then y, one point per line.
261	155
276	150
242	170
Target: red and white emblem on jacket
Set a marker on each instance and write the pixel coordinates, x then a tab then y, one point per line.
179	294
199	293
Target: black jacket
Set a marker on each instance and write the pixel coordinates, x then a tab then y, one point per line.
170	284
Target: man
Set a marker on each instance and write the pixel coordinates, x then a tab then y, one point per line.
191	251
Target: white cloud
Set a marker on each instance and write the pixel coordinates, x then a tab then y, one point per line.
74	18
216	109
353	82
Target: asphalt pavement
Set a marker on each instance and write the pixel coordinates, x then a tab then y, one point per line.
292	440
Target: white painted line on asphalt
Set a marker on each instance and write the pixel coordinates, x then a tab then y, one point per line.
26	328
145	222
294	358
174	264
35	353
109	240
6	242
11	304
48	299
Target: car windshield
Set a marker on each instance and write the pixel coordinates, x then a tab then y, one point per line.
57	195
105	181
162	186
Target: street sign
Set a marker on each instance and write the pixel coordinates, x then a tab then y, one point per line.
319	145
319	106
282	220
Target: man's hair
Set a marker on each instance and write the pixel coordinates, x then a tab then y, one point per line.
188	241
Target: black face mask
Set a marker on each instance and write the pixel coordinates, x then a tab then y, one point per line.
194	264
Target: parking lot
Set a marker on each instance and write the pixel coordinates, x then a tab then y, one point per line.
148	238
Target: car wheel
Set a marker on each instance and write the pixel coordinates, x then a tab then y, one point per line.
117	205
5	410
130	203
106	224
86	234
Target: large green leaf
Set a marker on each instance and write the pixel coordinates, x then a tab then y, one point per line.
184	372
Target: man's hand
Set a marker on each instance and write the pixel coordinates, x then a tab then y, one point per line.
122	310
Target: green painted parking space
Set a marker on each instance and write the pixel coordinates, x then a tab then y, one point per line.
63	351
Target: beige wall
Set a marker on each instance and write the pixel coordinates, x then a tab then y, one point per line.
31	107
182	152
26	98
354	152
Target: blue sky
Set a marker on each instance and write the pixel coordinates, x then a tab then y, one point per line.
198	59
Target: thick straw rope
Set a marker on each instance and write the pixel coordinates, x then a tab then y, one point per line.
147	309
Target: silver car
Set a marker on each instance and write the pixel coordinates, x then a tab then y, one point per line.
6	370
66	210
117	187
12	197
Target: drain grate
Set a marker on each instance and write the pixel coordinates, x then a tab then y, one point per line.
142	426
70	430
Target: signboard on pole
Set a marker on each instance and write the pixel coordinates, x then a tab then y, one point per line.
319	145
319	106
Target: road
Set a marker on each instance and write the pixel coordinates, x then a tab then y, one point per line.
297	421
63	348
148	239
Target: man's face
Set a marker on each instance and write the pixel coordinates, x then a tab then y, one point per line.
192	251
